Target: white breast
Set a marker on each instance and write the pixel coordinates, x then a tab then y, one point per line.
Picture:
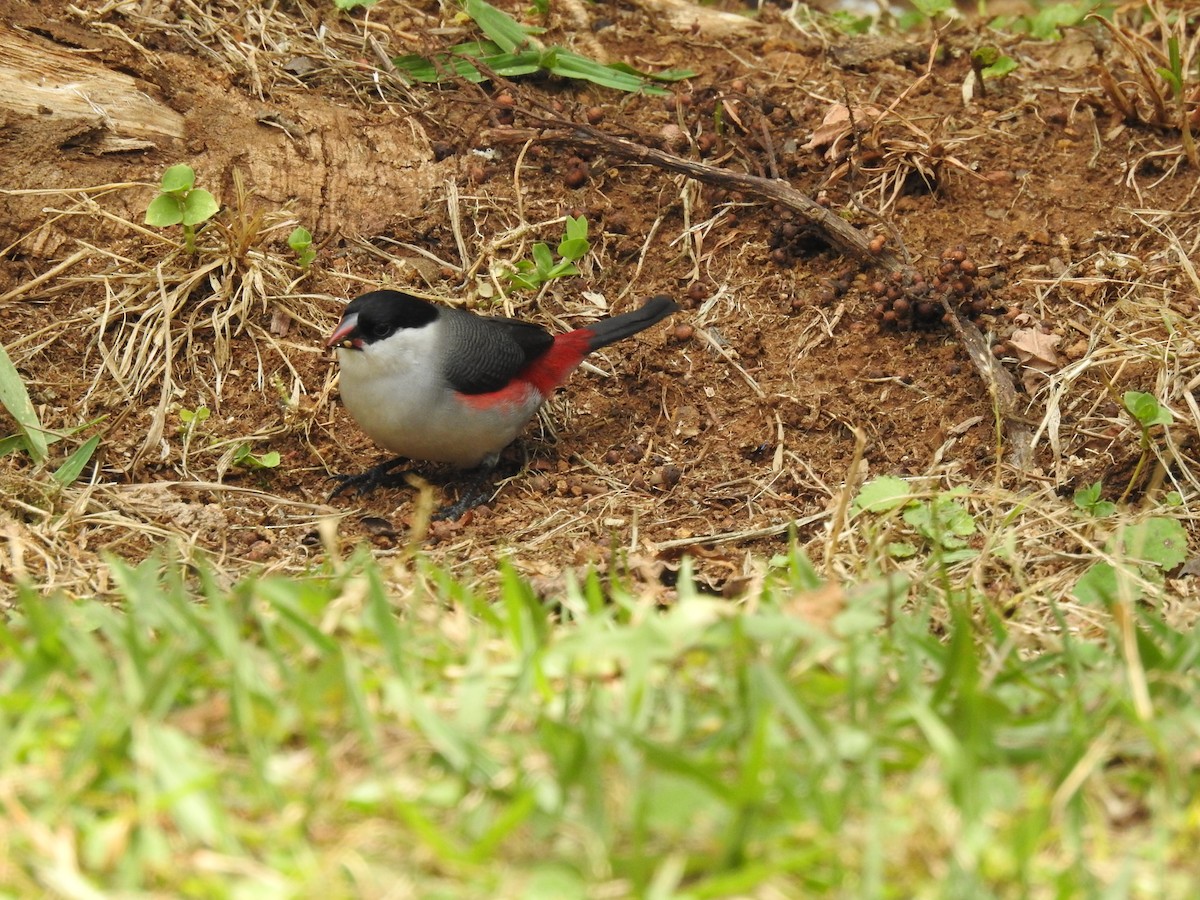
408	408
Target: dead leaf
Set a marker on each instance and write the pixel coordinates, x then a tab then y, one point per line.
838	124
1037	353
1036	348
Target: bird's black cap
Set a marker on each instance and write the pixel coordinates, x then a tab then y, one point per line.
380	314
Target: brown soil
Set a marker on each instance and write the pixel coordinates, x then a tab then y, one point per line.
739	415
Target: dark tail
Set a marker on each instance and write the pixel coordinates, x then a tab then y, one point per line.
608	331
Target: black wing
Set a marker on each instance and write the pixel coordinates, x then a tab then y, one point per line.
492	350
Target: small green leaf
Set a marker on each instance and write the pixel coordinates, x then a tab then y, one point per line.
942	521
164	210
574	249
1158	541
566	64
69	471
1146	409
985	56
418	68
1088	500
347	5
198	415
300	239
199	206
542	258
1174	58
576	229
458	63
1086	497
1046	24
13	443
1097	586
243	457
664	75
1000	67
1171	79
178	179
15	398
931	8
882	494
849	23
523	282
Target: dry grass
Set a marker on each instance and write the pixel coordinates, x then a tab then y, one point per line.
364	705
156	328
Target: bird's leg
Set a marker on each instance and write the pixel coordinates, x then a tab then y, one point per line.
478	489
377	476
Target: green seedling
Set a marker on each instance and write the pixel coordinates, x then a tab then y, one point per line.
300	241
881	495
941	522
923	11
191	419
988	62
530	275
512	49
1047	23
944	523
1174	78
15	398
1147	412
243	457
1088	501
180	203
1144	551
347	5
31	436
849	23
190	422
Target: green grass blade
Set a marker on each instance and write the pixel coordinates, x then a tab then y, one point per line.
502	28
69	470
460	63
12	444
15	398
566	64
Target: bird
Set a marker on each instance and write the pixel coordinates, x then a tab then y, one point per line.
437	383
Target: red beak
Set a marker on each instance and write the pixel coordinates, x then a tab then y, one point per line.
342	334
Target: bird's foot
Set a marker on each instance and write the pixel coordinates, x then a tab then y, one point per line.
477	490
375	477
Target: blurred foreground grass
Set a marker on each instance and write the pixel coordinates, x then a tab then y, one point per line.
333	737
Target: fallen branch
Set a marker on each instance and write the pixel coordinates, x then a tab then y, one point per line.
839	233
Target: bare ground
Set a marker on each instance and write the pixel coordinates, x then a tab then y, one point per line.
709	438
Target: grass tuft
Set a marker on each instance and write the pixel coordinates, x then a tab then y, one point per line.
328	734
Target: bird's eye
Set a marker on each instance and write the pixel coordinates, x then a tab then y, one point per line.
381	330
